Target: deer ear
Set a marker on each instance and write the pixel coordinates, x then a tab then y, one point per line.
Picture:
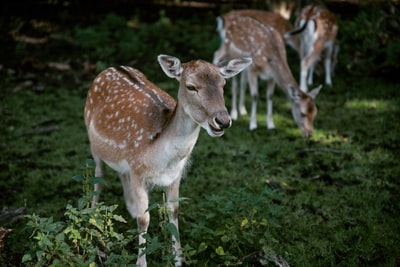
171	66
315	91
294	94
234	66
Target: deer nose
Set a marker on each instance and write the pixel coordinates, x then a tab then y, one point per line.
222	120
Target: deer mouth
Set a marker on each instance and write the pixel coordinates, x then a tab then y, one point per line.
216	131
218	122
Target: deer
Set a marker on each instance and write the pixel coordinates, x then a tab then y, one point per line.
266	47
141	132
275	20
317	29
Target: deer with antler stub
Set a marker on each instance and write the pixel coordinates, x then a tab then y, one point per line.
266	47
317	28
147	137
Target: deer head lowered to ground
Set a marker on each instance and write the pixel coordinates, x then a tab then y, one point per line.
266	47
274	20
147	137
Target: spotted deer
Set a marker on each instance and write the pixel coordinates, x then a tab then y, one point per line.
147	137
265	46
317	29
275	20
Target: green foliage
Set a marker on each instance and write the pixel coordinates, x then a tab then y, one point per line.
118	39
370	40
393	53
86	238
99	42
250	222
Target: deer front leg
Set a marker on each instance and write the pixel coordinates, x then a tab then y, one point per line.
328	63
137	202
270	94
143	221
172	193
234	113
243	83
253	84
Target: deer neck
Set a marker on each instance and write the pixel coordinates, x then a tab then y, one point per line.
179	136
182	125
284	77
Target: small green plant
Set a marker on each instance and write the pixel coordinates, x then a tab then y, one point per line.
168	229
87	237
251	222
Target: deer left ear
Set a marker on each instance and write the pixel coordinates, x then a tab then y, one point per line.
234	66
171	66
294	94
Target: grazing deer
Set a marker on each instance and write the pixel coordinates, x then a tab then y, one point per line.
141	132
317	29
275	20
266	47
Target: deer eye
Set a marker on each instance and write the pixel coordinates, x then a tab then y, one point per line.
191	88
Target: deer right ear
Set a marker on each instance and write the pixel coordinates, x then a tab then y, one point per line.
234	66
171	66
315	91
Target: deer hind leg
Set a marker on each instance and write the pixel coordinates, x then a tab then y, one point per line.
253	84
315	56
242	99
98	172
303	74
307	69
137	202
309	52
172	193
270	94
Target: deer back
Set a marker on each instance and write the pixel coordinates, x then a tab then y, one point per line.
125	111
272	19
264	44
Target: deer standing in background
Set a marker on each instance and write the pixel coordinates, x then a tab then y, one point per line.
141	132
317	29
265	46
274	20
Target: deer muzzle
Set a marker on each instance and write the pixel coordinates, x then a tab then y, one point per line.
217	122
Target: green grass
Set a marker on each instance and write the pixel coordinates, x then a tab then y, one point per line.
331	200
